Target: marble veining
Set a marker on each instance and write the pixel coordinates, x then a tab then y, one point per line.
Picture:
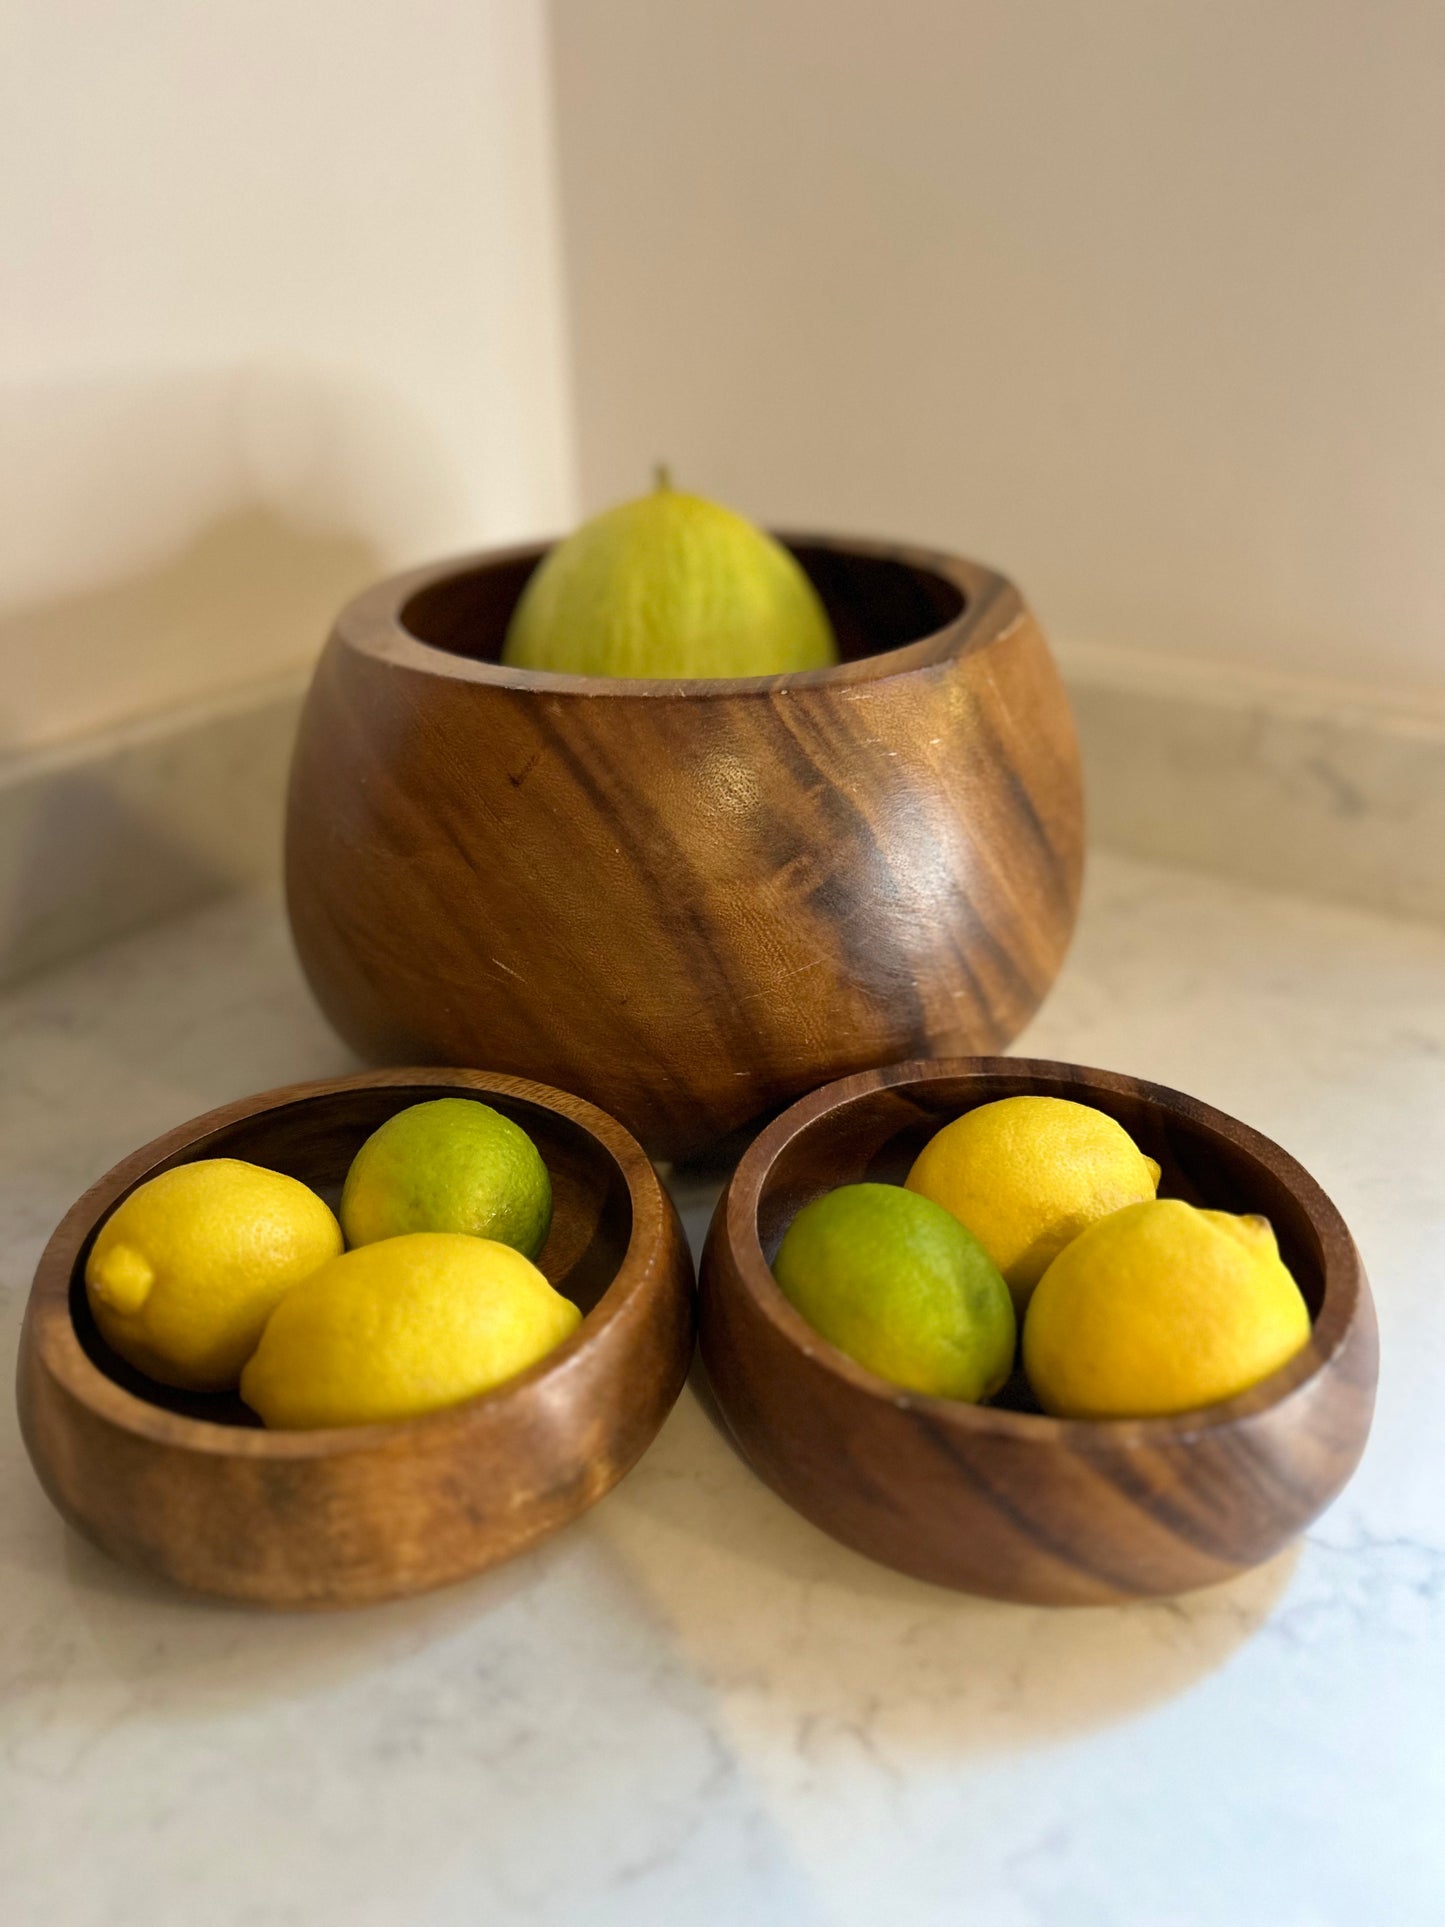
693	1705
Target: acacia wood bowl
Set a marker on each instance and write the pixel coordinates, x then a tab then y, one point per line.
191	1487
1006	1502
689	901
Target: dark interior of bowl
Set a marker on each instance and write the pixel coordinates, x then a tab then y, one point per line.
876	1138
315	1139
874	602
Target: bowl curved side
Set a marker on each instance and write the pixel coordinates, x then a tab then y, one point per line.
688	908
347	1516
1007	1503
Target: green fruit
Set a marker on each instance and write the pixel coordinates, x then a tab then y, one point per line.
670	585
453	1164
895	1281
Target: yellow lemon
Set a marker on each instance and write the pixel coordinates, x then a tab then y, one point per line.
670	585
1161	1308
1028	1174
401	1327
898	1284
185	1273
451	1164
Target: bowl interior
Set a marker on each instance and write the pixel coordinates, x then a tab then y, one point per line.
315	1138
876	603
876	1135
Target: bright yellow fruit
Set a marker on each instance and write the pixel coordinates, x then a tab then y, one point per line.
670	585
1161	1308
188	1269
1027	1174
401	1327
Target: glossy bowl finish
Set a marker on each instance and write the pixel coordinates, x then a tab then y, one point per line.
1007	1502
189	1486
688	901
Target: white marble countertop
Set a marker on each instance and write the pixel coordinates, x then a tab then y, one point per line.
692	1707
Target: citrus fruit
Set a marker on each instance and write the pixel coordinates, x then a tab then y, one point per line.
401	1327
669	585
451	1164
186	1271
898	1284
1027	1174
1161	1308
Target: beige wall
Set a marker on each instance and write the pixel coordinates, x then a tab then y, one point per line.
281	308
1143	302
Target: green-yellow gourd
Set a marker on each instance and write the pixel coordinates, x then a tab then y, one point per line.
669	585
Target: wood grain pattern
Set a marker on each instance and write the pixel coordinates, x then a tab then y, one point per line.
1007	1502
688	901
192	1488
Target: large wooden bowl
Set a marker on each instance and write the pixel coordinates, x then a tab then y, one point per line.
1007	1502
191	1487
688	901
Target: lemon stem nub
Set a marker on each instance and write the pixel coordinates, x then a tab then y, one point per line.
123	1279
661	476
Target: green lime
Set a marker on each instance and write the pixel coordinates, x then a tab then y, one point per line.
453	1164
895	1281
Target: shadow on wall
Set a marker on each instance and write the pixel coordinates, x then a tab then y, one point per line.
103	836
245	590
164	542
163	537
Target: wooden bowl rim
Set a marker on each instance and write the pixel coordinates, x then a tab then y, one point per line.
371	624
1344	1282
60	1351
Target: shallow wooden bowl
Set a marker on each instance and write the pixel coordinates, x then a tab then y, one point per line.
191	1487
1007	1502
688	901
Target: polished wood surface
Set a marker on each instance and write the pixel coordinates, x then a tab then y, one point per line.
1004	1501
688	901
192	1488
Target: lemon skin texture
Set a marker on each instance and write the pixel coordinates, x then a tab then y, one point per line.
402	1327
670	585
451	1164
897	1283
1161	1308
1027	1174
186	1271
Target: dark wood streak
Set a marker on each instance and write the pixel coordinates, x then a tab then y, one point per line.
705	897
721	993
1058	861
848	892
190	1487
1036	1530
1007	1502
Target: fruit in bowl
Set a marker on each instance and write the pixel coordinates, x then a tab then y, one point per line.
901	1286
451	1164
669	585
1131	1306
1028	1174
403	1326
184	1275
444	1207
685	900
1161	1308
